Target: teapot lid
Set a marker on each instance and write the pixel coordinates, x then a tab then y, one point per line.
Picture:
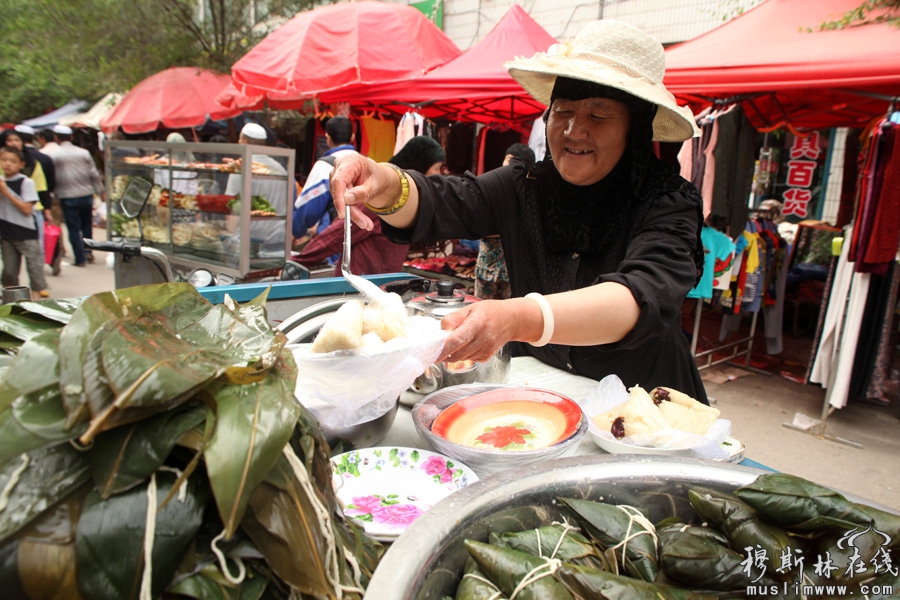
443	300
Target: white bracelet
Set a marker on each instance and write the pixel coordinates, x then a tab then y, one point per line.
547	313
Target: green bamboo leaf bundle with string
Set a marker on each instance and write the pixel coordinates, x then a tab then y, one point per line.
173	423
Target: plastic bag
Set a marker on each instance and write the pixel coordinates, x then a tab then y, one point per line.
611	392
347	387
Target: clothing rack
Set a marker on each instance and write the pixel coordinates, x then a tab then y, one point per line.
733	345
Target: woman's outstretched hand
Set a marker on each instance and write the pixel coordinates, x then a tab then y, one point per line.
479	330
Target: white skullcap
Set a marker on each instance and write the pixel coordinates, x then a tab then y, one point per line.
254	131
62	129
25	129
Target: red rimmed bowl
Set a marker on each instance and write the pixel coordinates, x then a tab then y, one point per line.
496	427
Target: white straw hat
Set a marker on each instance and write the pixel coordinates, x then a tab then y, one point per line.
617	55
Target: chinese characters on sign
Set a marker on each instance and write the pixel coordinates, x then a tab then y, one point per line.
802	161
852	574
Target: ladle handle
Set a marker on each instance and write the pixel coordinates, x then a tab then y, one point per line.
345	258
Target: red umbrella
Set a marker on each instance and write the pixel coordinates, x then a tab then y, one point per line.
342	45
174	98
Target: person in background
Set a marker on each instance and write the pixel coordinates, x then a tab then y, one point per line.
491	276
601	238
371	252
46	142
18	229
271	235
34	170
77	181
312	206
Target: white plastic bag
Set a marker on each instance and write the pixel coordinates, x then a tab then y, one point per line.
611	392
347	387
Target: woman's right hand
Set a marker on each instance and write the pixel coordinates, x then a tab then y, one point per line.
356	180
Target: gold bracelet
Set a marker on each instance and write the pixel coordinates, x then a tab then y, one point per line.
404	193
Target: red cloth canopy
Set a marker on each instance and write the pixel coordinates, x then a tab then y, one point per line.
174	98
474	86
341	45
787	75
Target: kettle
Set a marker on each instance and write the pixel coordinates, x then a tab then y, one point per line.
436	299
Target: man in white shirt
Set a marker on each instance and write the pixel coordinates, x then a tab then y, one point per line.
77	180
270	234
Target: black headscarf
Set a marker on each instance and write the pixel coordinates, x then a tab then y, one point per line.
591	219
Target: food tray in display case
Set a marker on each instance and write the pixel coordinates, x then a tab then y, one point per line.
195	213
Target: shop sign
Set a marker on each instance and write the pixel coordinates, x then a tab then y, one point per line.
801	169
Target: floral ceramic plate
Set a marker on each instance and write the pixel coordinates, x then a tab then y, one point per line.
389	488
511	419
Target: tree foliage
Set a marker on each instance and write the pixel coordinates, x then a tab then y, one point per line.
870	11
52	52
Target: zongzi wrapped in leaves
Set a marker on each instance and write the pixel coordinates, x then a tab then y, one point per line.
795	503
700	562
744	529
475	585
704	531
508	568
558	540
622	531
592	584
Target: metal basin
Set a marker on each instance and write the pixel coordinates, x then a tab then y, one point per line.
426	562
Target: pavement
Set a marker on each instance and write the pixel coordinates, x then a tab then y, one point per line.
855	449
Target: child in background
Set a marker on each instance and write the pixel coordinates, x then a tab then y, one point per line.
18	229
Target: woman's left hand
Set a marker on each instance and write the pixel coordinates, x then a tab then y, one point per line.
479	330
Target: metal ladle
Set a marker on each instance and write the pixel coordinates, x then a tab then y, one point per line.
368	289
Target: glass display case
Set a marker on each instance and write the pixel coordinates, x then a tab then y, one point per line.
196	213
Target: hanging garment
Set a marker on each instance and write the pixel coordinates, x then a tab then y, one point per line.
537	139
379	138
709	173
840	332
876	325
718	248
735	156
882	244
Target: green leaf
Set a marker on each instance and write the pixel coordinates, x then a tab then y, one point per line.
50	474
22	378
112	307
110	543
24	326
34	421
253	424
206	585
285	527
125	456
59	310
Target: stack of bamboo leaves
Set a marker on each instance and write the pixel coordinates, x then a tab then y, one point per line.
152	447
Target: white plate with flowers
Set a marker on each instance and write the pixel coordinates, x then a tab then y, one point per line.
387	488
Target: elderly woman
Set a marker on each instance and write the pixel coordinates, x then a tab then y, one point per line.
602	239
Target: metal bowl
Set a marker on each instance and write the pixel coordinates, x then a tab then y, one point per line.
426	562
361	435
482	460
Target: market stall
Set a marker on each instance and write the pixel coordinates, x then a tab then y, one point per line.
196	213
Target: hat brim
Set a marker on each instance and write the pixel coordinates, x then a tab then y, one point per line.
537	75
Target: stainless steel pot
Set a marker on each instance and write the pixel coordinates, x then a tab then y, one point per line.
427	560
437	299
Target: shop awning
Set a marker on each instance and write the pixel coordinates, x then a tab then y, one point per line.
788	73
52	118
91	118
474	86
